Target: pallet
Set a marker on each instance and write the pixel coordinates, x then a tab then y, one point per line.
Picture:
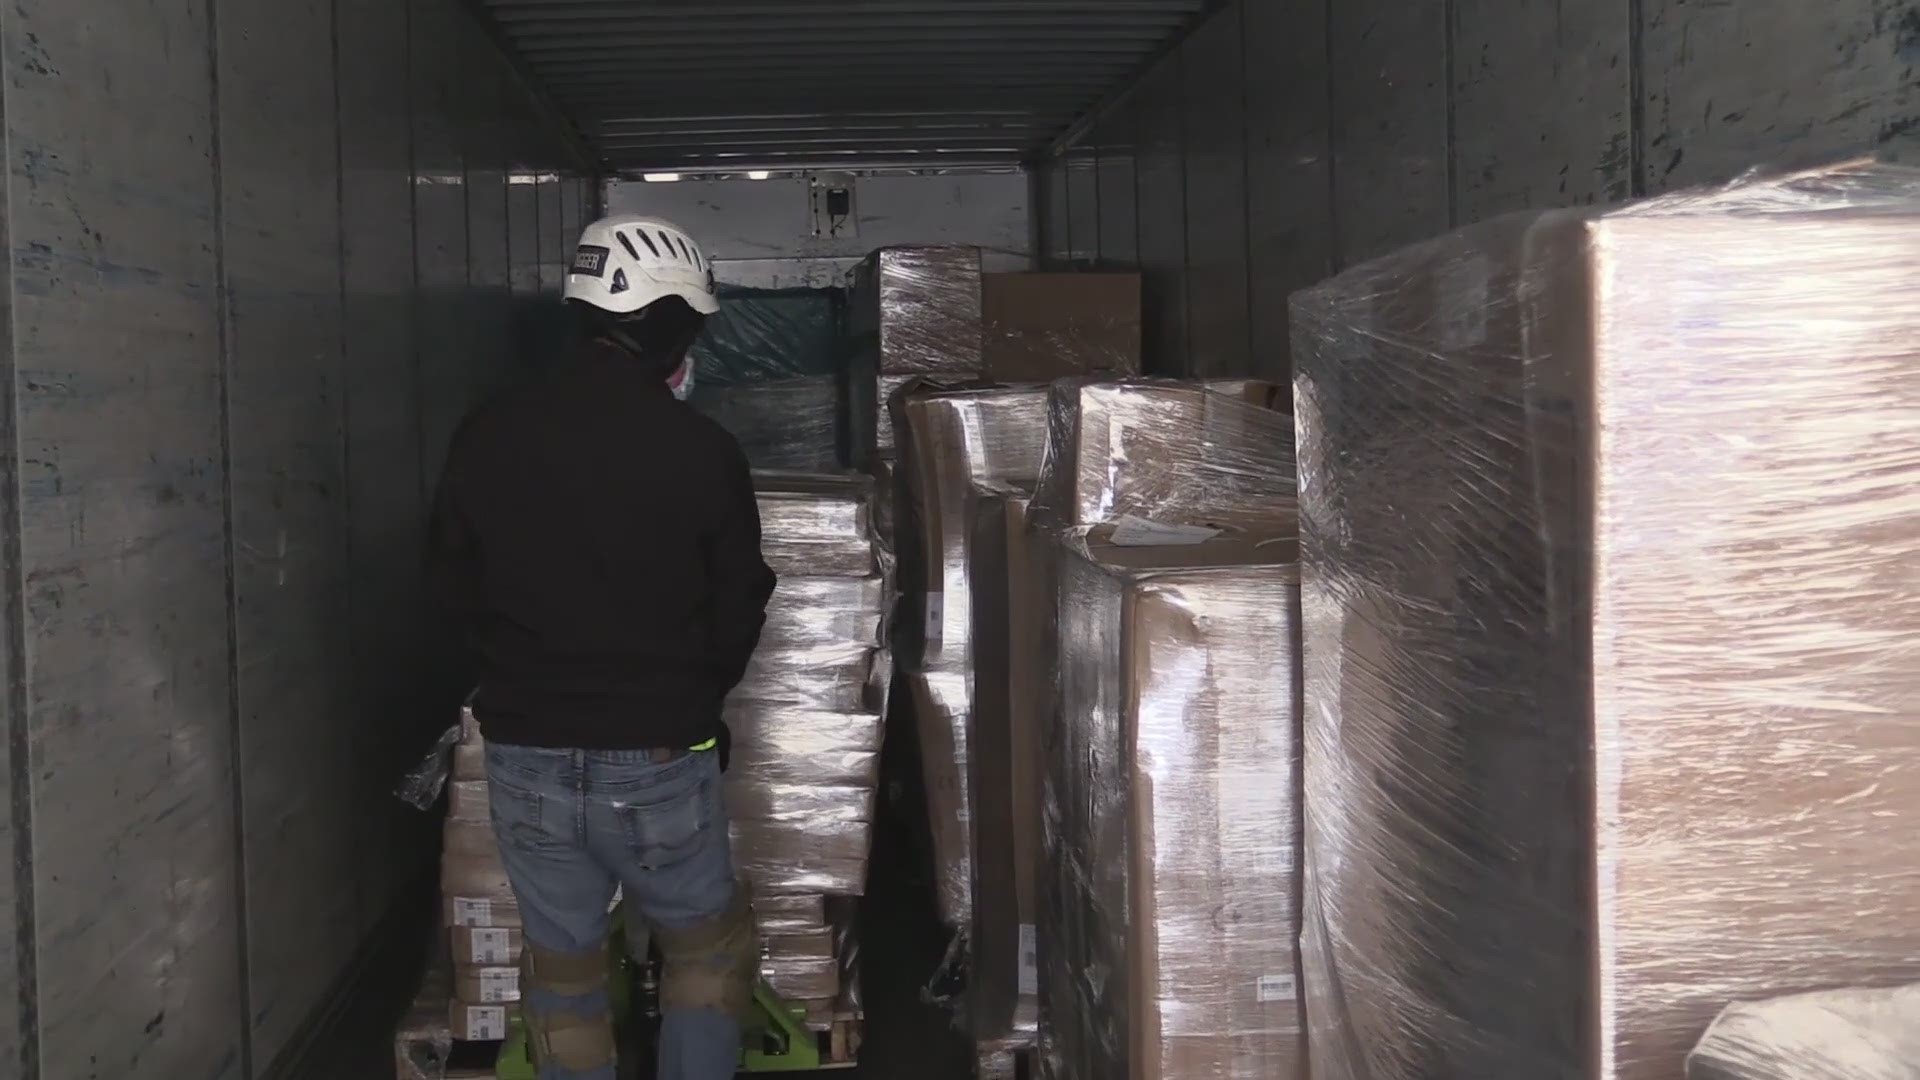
423	1044
1004	1063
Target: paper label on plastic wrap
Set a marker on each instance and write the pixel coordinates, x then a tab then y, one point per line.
500	985
1269	988
1029	960
936	617
486	1023
491	946
468	912
1134	531
1289	861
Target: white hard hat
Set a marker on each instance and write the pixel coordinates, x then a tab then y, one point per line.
626	262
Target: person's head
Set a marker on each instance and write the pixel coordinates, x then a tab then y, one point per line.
644	285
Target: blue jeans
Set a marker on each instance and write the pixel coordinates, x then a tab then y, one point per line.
574	823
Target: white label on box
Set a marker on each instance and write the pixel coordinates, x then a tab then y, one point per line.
467	912
501	984
492	946
1029	961
936	618
1134	531
1289	862
486	1023
1275	988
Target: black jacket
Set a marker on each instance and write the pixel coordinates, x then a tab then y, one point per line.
599	544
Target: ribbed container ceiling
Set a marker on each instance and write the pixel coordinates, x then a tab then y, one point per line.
729	85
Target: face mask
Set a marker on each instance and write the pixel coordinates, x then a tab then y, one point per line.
681	381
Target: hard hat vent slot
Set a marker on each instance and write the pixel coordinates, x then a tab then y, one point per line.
628	244
647	240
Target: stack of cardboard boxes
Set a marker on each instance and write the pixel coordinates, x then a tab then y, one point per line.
1169	912
476	901
1612	636
807	724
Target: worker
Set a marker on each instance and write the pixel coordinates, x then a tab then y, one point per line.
598	542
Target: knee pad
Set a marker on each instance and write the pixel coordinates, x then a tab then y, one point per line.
568	1014
712	964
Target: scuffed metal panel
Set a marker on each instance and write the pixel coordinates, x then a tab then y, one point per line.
1390	125
440	228
1056	216
116	338
1731	86
383	446
572	220
1541	98
1289	170
1083	205
298	776
486	138
1119	227
16	773
1216	167
523	236
554	244
1162	201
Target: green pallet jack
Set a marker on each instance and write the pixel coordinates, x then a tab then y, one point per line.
776	1039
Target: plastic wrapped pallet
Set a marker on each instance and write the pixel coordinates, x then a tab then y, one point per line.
792	424
1856	1034
807	718
1170	925
954	440
1009	693
816	525
915	312
1613	681
1175	453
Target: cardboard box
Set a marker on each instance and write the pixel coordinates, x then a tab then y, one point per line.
915	312
474	891
470	759
467	800
816	525
1616	619
1042	327
486	985
938	701
812	944
1011	696
1172	777
783	914
958	440
1214	453
495	946
478	1023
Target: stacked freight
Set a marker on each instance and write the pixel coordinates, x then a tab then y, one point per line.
476	901
1612	636
807	727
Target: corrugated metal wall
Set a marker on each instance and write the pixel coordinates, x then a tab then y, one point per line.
1282	141
263	255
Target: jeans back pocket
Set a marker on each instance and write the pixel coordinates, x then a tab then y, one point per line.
667	827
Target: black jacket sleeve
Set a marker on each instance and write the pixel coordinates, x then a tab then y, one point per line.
738	578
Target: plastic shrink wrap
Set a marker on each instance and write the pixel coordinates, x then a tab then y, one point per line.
1216	453
796	424
807	719
1169	928
914	312
1610	524
953	440
1832	1035
1042	327
1010	693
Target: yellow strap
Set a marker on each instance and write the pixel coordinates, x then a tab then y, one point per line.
708	745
